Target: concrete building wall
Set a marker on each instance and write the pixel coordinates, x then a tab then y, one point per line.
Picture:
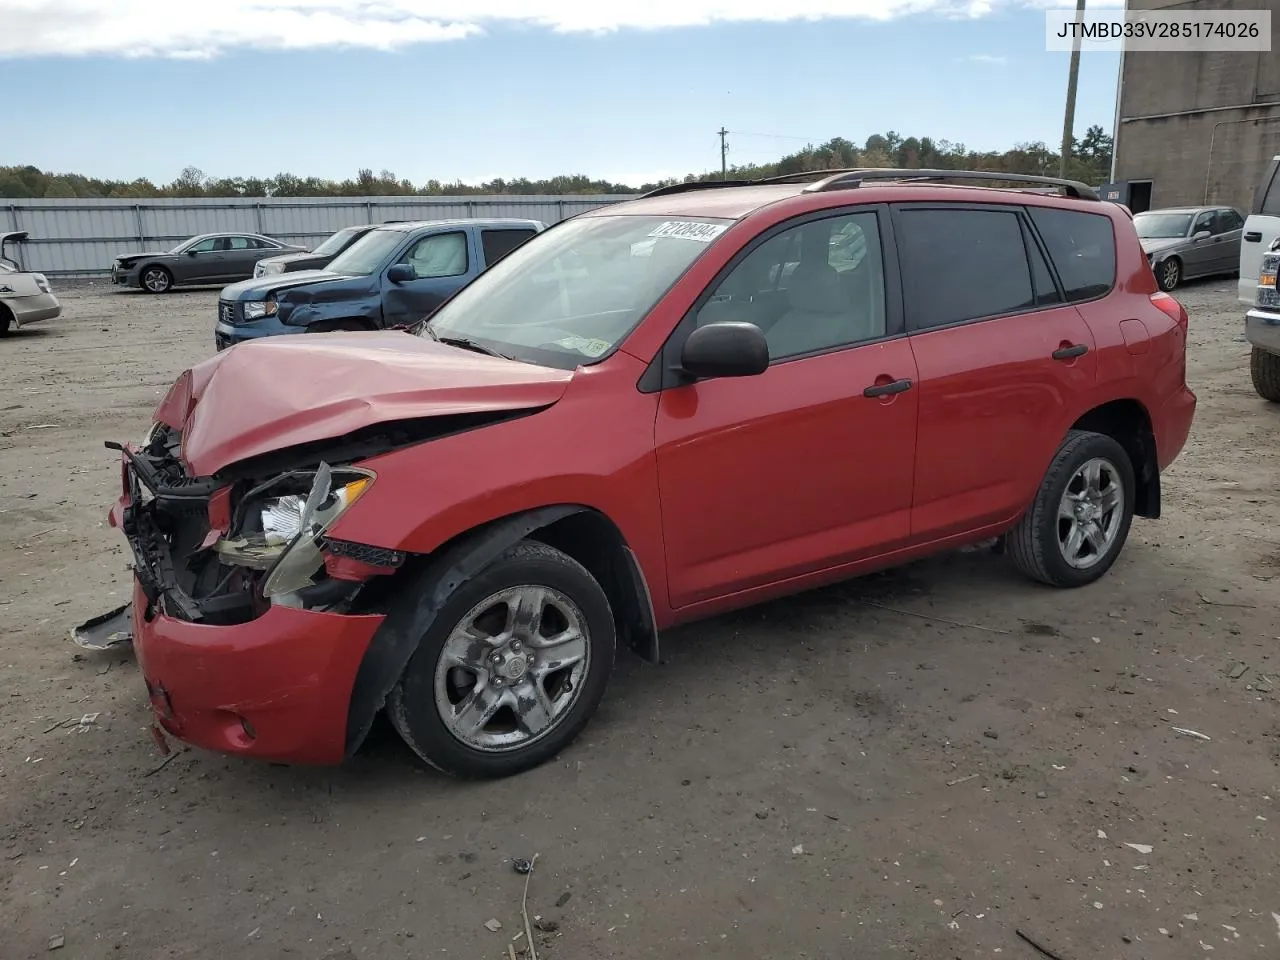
1201	126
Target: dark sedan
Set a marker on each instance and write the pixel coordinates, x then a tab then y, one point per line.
317	259
208	258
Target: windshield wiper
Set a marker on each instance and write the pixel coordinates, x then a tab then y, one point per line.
466	343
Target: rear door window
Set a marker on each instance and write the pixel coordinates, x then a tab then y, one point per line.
1046	290
1224	221
498	243
962	264
1083	248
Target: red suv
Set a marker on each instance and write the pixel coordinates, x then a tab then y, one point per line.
656	411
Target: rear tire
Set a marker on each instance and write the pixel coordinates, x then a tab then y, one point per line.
510	669
1169	274
1079	521
1264	368
6	320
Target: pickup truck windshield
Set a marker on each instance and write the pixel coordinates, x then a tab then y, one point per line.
570	295
333	243
367	254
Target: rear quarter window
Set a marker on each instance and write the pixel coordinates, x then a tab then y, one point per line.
498	243
1083	248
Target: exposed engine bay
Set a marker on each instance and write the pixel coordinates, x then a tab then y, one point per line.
222	551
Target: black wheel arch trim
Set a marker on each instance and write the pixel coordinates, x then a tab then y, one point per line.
396	640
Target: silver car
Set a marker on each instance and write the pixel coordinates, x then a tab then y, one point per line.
25	297
1183	243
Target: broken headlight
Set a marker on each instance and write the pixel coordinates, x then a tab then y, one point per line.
257	309
281	533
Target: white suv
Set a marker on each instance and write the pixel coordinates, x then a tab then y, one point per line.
24	297
1260	231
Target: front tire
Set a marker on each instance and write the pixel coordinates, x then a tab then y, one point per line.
156	280
1080	518
1169	274
1264	368
511	668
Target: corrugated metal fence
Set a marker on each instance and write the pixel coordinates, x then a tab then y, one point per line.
81	237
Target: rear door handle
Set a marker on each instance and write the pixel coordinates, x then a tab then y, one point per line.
1070	353
887	389
1253	236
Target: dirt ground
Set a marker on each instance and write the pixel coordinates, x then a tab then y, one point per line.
918	764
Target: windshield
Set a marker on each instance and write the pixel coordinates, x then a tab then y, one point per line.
367	254
569	296
334	242
1162	226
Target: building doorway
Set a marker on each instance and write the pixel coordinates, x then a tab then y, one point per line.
1139	196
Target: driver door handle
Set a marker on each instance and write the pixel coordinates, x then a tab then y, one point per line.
887	389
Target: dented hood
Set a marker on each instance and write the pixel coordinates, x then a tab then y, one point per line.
278	392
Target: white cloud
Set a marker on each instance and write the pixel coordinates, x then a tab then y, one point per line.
189	29
987	58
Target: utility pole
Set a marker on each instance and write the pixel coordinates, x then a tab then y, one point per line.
1069	121
724	154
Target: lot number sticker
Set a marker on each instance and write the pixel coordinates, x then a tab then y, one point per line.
591	346
687	230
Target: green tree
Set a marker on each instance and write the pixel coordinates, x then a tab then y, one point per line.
60	188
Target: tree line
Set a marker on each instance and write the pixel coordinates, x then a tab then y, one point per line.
1089	161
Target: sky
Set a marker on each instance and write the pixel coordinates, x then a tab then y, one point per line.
477	89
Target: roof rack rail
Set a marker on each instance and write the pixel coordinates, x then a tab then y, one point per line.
804	175
847	179
695	185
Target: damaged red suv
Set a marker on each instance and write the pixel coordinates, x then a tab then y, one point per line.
656	411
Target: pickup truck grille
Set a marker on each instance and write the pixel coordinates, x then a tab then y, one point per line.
1268	290
227	312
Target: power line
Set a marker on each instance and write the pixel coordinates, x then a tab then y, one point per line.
773	136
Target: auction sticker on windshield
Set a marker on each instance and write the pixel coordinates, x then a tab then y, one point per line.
688	230
590	346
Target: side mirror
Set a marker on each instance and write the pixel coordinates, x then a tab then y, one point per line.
192	253
726	349
401	273
1200	235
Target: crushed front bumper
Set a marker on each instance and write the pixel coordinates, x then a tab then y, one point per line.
276	688
272	682
229	334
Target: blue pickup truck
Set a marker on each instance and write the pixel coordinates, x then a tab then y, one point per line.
395	274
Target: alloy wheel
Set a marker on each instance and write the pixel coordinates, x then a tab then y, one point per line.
512	668
155	280
1090	513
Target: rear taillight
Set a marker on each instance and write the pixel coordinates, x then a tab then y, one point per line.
1178	314
1172	309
